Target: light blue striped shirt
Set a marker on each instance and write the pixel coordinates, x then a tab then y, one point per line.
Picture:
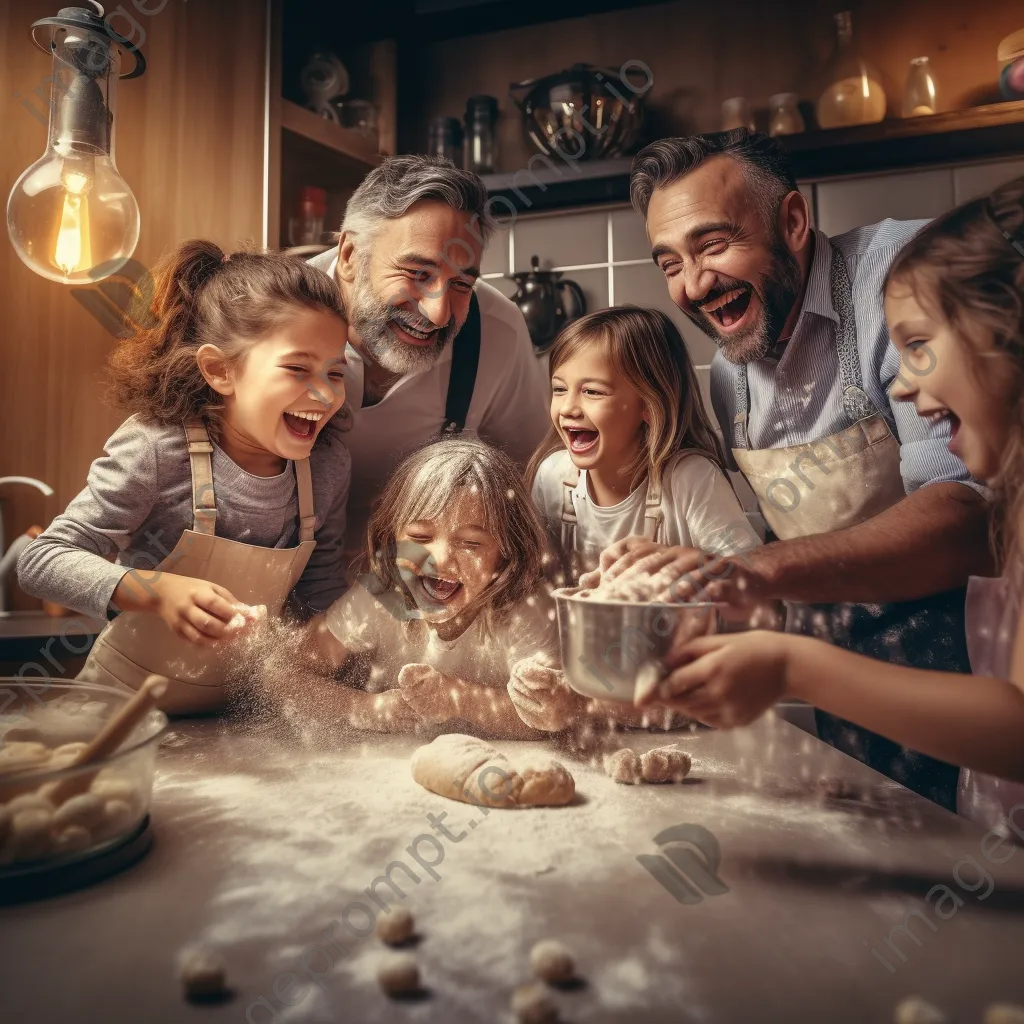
798	398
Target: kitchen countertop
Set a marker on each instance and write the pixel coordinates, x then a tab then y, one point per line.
28	636
266	845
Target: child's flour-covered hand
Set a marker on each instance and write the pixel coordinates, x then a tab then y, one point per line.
382	712
541	696
429	692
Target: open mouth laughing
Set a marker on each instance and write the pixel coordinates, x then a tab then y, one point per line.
415	335
944	415
581	441
728	308
439	589
302	425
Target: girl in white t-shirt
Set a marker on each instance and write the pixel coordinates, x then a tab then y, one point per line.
631	448
452	621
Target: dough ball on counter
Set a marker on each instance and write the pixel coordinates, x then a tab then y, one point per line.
1003	1013
665	764
399	974
86	809
18	755
624	766
202	972
396	927
915	1010
532	1004
73	839
553	961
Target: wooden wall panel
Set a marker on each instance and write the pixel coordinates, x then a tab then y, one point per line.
189	141
703	53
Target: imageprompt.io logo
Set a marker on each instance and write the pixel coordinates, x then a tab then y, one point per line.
686	875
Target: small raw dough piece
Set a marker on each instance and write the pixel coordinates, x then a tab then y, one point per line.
202	973
111	788
30	834
915	1010
665	764
397	927
532	1004
1003	1013
623	766
30	802
86	809
552	961
65	754
19	755
464	768
399	974
73	839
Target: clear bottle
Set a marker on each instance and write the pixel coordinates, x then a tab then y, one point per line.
736	114
481	140
921	93
786	117
854	94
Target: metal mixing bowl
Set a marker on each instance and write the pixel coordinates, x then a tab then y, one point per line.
608	646
583	113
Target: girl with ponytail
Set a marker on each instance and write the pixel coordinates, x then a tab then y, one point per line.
219	493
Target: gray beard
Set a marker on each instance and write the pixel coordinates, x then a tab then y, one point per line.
778	292
372	320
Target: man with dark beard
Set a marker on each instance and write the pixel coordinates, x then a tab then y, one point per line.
863	500
432	348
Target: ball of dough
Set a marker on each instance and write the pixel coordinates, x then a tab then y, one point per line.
73	839
86	809
30	834
665	764
118	816
1003	1013
65	755
532	1004
396	927
23	733
18	756
116	789
915	1010
398	974
552	961
202	972
30	802
623	766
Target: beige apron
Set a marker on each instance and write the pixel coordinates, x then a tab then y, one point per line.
138	643
654	518
837	482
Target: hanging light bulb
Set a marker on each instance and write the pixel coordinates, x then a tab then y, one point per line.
71	216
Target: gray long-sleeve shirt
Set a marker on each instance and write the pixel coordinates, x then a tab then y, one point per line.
137	502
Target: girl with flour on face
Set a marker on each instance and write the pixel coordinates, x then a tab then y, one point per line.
453	609
631	448
214	495
954	304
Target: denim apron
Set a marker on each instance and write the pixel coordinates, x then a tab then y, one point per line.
828	485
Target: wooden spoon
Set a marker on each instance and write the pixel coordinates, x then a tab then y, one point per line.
110	737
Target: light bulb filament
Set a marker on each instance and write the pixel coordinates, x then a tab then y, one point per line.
73	250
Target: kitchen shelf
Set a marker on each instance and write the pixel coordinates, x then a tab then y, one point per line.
978	133
346	143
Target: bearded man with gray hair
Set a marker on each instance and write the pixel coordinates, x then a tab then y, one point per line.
432	348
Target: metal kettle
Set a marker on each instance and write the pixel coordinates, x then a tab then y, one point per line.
540	298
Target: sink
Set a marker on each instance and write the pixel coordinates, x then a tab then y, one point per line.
44	641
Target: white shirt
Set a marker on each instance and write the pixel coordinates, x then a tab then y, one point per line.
365	626
699	507
509	408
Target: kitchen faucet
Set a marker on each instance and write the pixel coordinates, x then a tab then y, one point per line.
9	558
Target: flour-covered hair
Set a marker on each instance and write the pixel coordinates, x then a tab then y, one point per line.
389	190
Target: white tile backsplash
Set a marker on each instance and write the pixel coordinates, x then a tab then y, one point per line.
844	205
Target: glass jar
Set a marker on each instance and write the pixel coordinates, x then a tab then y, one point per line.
736	114
481	139
306	225
445	139
786	118
854	94
921	93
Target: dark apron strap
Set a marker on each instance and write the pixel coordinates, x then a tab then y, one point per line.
465	358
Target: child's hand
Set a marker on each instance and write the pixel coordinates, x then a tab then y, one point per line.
428	692
383	712
196	610
541	696
725	680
